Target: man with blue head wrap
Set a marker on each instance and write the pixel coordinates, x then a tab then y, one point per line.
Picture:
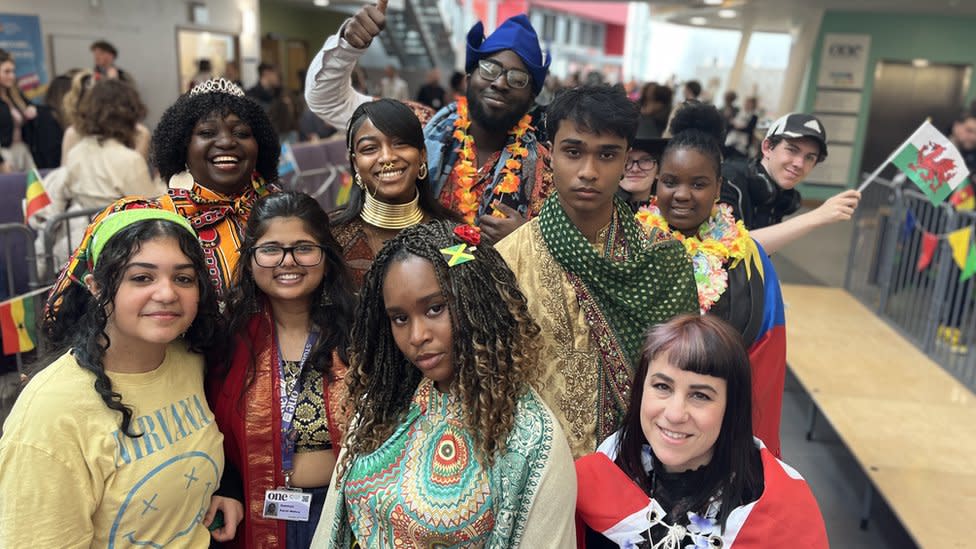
484	159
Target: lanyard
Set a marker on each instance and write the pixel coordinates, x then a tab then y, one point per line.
289	401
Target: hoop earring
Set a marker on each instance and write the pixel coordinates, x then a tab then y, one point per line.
422	173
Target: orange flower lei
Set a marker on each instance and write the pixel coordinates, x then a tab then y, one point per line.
465	170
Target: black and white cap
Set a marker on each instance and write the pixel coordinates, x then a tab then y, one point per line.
798	124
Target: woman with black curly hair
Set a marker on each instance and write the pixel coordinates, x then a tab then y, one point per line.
221	146
450	445
113	443
290	312
735	278
388	159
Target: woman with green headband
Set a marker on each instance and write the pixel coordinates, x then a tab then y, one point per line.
113	443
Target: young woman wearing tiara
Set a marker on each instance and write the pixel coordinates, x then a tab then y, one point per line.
113	444
449	445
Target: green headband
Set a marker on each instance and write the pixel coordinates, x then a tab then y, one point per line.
122	219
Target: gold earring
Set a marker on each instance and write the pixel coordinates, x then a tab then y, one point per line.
359	181
422	173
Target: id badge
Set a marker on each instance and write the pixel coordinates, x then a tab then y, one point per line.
286	505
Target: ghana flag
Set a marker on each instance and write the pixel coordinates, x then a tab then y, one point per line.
18	323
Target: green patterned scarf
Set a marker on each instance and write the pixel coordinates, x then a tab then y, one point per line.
652	285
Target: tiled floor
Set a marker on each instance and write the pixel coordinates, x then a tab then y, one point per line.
834	476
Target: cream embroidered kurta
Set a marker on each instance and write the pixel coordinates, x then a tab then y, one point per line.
570	380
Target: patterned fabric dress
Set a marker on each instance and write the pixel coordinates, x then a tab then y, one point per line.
427	487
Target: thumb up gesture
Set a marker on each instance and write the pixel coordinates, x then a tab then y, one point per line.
365	25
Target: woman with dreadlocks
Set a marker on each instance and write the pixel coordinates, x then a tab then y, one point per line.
113	444
278	402
449	445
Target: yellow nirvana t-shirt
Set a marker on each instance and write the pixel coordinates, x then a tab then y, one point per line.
70	478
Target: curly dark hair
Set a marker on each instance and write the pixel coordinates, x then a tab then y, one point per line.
332	303
172	136
79	322
495	344
111	110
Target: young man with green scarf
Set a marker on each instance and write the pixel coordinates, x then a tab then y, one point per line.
592	278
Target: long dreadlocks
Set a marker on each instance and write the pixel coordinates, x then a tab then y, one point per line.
495	345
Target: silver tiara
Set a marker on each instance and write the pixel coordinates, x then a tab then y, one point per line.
217	85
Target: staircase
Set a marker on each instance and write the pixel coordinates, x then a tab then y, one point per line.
418	36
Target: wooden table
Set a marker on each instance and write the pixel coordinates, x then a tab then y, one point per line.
910	424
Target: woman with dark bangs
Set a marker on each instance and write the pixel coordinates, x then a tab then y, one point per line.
685	469
279	401
450	445
392	189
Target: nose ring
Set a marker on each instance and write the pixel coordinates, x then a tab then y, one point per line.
386	166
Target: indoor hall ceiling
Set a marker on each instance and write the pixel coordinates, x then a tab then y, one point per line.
782	15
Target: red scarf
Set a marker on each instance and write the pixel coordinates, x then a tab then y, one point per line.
252	436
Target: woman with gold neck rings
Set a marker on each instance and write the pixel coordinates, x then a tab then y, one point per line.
391	191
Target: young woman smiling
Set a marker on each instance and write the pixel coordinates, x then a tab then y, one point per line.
218	153
450	446
113	443
735	278
685	471
279	399
392	190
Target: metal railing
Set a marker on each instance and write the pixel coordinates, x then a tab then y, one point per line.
58	237
930	306
19	267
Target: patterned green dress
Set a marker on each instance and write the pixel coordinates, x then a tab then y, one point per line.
426	487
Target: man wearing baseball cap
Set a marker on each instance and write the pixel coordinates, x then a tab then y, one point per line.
762	193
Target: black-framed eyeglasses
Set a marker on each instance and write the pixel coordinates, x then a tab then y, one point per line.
305	255
643	164
490	70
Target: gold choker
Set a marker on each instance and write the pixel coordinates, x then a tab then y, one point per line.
391	216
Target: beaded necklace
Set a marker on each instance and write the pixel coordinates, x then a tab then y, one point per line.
465	170
719	240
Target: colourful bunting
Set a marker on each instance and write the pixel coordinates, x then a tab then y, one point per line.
929	243
908	227
970	268
959	243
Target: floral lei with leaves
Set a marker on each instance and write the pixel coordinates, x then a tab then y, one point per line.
465	169
720	240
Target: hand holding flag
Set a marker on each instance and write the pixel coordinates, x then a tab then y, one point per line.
931	161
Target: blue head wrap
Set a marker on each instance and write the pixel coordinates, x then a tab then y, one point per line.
515	34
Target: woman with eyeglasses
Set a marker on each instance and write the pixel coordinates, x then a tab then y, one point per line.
640	171
388	160
279	398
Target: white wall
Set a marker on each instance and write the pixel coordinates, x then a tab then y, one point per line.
144	32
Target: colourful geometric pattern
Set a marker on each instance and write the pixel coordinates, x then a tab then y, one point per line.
426	487
438	498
